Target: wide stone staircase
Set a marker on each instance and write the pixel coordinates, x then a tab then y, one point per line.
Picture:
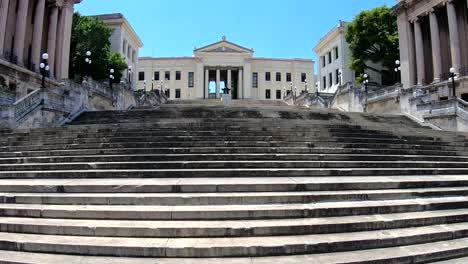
202	182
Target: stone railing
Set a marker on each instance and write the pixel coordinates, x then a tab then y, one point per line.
58	105
453	106
27	104
384	93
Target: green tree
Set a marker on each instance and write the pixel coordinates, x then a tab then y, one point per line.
91	34
373	37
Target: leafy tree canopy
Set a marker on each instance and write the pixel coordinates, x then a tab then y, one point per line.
91	34
373	37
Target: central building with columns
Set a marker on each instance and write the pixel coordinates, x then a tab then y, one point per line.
225	69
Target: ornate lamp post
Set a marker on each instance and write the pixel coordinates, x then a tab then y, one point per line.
398	70
340	77
111	77
129	76
452	77
88	61
291	88
152	84
44	68
306	91
284	92
366	83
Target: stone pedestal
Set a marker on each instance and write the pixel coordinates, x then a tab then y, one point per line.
226	97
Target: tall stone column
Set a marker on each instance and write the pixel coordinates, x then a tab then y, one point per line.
4	5
421	69
37	34
218	83
240	86
20	30
52	39
207	84
454	36
436	51
229	79
63	40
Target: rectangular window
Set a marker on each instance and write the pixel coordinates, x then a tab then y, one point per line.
303	77
177	75
141	76
288	92
278	76
167	75
255	80
177	93
330	81
190	79
324	63
288	77
324	85
168	93
156	76
329	57
267	76
337	55
337	75
267	94
278	94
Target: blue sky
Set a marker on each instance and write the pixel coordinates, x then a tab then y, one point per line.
273	28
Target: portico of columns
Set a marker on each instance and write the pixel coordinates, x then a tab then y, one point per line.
58	35
415	43
220	72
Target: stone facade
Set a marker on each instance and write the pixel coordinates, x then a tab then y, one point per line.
334	56
124	40
433	37
225	65
30	28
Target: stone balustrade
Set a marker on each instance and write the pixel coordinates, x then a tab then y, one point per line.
56	106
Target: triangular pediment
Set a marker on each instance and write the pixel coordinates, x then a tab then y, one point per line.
224	46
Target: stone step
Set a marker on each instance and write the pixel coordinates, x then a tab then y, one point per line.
233	246
229	185
224	198
420	253
231	157
231	212
229	228
229	165
178	139
181	133
228	172
232	150
235	144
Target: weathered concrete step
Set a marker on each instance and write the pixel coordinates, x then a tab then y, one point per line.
180	133
231	247
229	228
226	185
231	150
227	164
231	212
178	139
236	144
239	198
231	157
225	173
415	254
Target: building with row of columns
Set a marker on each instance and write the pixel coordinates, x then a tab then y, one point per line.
333	59
124	40
29	28
433	39
225	65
